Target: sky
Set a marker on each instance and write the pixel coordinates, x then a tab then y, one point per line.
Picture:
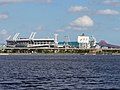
98	18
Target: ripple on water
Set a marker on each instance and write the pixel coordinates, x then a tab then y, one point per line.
60	72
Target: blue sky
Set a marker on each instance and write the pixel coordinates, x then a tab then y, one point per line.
100	18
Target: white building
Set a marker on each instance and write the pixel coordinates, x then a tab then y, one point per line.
84	41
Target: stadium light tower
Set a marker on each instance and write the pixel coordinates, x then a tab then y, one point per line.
56	40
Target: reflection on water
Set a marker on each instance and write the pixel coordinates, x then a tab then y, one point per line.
60	72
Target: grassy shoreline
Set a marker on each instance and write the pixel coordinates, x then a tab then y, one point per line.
2	54
54	51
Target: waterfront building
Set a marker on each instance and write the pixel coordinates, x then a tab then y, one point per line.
93	42
70	44
86	42
31	42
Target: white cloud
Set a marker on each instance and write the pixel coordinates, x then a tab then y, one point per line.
3	35
107	1
39	28
84	21
112	2
81	23
77	28
60	30
19	1
108	12
3	32
77	9
3	16
117	29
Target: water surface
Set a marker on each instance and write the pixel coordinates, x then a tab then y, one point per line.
60	72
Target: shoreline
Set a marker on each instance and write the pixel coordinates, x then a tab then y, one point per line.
4	54
58	51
